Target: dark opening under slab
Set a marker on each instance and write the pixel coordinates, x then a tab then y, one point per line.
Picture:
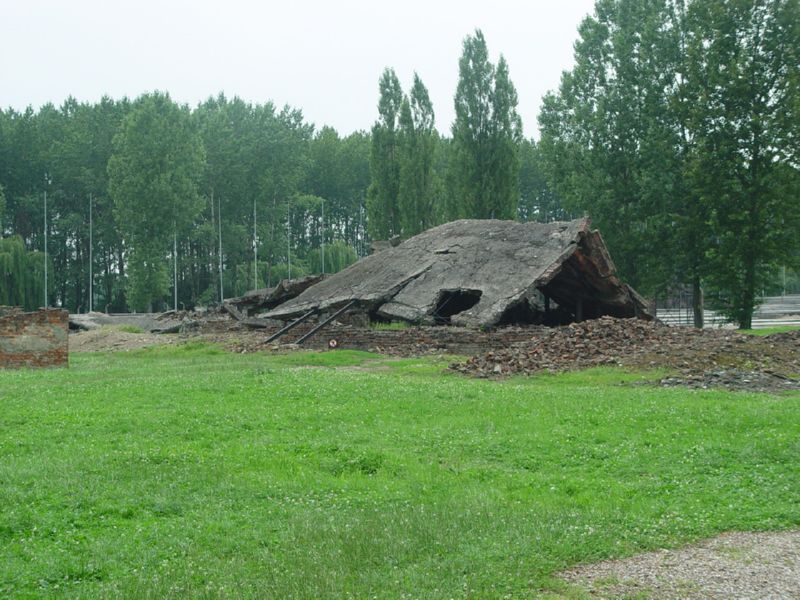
452	302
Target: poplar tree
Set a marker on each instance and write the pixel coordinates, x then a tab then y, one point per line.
486	134
382	207
417	147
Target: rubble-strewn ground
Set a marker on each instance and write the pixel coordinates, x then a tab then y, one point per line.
141	321
695	358
114	339
701	358
733	565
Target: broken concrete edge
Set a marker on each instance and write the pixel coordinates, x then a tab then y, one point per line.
254	301
229	308
34	339
548	275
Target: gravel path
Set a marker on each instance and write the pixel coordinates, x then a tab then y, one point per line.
756	566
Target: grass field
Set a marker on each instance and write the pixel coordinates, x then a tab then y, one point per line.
770	330
189	472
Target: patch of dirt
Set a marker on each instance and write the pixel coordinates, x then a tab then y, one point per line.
701	357
732	565
110	339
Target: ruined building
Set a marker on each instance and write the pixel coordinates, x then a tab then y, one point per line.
480	273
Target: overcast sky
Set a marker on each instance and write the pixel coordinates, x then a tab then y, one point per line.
324	58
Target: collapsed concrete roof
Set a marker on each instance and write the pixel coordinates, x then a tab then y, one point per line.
481	273
266	298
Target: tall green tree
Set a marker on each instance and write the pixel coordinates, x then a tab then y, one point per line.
281	153
676	131
743	94
382	206
153	179
611	144
417	147
506	137
486	135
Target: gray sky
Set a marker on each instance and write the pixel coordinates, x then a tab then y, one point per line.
322	57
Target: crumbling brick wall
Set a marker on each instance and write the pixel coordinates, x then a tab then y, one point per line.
412	340
455	340
33	339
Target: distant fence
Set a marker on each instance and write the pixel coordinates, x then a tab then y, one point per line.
773	311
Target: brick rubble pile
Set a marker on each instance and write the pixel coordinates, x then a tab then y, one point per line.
641	344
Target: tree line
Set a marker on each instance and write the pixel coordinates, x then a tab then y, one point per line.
191	205
205	186
676	131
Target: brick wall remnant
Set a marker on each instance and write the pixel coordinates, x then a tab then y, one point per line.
33	339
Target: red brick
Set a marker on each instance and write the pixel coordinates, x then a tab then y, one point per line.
34	339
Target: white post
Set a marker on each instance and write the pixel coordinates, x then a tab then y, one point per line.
219	221
46	183
323	237
361	231
174	267
289	239
255	248
91	294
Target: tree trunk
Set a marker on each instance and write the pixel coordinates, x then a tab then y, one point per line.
107	283
697	303
121	279
748	301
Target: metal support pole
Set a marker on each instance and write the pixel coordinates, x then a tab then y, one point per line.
325	322
255	248
361	230
290	326
175	267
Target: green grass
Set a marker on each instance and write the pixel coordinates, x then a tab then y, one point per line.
190	472
390	326
125	328
770	330
131	329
